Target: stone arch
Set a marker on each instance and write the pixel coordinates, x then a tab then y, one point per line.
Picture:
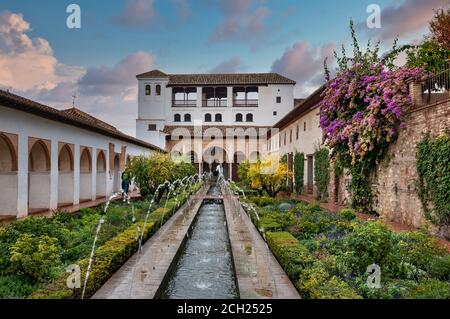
8	177
214	156
238	158
39	177
8	156
39	157
85	175
101	174
65	176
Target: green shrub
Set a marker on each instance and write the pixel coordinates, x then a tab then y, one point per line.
14	286
370	243
34	256
347	214
418	248
299	170
429	289
440	267
322	172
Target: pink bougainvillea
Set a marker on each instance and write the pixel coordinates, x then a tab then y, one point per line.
362	109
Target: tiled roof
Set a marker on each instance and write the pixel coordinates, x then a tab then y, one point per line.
74	117
220	79
305	106
87	117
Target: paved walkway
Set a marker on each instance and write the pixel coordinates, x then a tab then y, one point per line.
141	276
258	273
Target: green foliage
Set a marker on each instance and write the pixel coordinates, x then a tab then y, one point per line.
429	289
322	172
152	171
347	214
440	267
299	171
433	184
429	55
34	256
418	248
371	243
16	286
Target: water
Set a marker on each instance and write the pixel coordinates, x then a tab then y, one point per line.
214	190
205	267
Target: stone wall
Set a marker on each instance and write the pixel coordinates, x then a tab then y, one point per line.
394	182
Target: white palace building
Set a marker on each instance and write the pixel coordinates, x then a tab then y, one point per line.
217	119
51	159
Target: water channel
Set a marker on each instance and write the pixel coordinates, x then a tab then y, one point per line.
204	268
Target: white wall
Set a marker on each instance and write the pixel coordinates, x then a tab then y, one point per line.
8	182
27	125
65	188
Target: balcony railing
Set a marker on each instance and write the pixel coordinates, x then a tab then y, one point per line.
245	102
181	103
437	87
214	103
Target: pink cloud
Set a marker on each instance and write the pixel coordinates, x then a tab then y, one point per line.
407	19
304	64
242	21
235	64
137	13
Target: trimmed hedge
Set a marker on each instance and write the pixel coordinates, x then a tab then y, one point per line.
311	278
109	257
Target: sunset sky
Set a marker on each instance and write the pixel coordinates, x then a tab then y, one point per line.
42	59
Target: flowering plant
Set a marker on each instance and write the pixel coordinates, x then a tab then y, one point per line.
361	113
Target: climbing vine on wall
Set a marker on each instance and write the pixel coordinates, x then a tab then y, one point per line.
361	113
322	172
299	171
433	185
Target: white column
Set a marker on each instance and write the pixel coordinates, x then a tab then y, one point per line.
76	174
54	175
22	176
94	174
109	178
229	96
199	97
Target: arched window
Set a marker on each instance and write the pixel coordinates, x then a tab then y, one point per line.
249	117
177	118
187	117
158	89
218	118
148	89
208	117
239	117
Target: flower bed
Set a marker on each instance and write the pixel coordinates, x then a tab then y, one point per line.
72	236
326	255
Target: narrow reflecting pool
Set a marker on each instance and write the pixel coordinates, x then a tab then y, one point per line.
205	267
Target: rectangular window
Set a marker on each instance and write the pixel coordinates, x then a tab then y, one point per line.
278	99
304	126
152	127
298	130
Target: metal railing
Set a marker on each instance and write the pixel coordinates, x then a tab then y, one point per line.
176	103
215	103
245	102
437	87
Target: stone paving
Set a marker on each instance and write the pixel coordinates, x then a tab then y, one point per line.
258	273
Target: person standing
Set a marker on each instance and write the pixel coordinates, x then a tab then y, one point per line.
126	178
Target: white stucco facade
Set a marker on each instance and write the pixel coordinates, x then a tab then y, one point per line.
158	108
55	164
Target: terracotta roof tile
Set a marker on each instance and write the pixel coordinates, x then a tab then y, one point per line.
74	117
220	79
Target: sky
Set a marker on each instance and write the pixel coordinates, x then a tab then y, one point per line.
42	59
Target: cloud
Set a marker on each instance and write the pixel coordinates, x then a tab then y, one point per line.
304	64
243	20
109	81
235	64
29	64
407	19
29	68
137	13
